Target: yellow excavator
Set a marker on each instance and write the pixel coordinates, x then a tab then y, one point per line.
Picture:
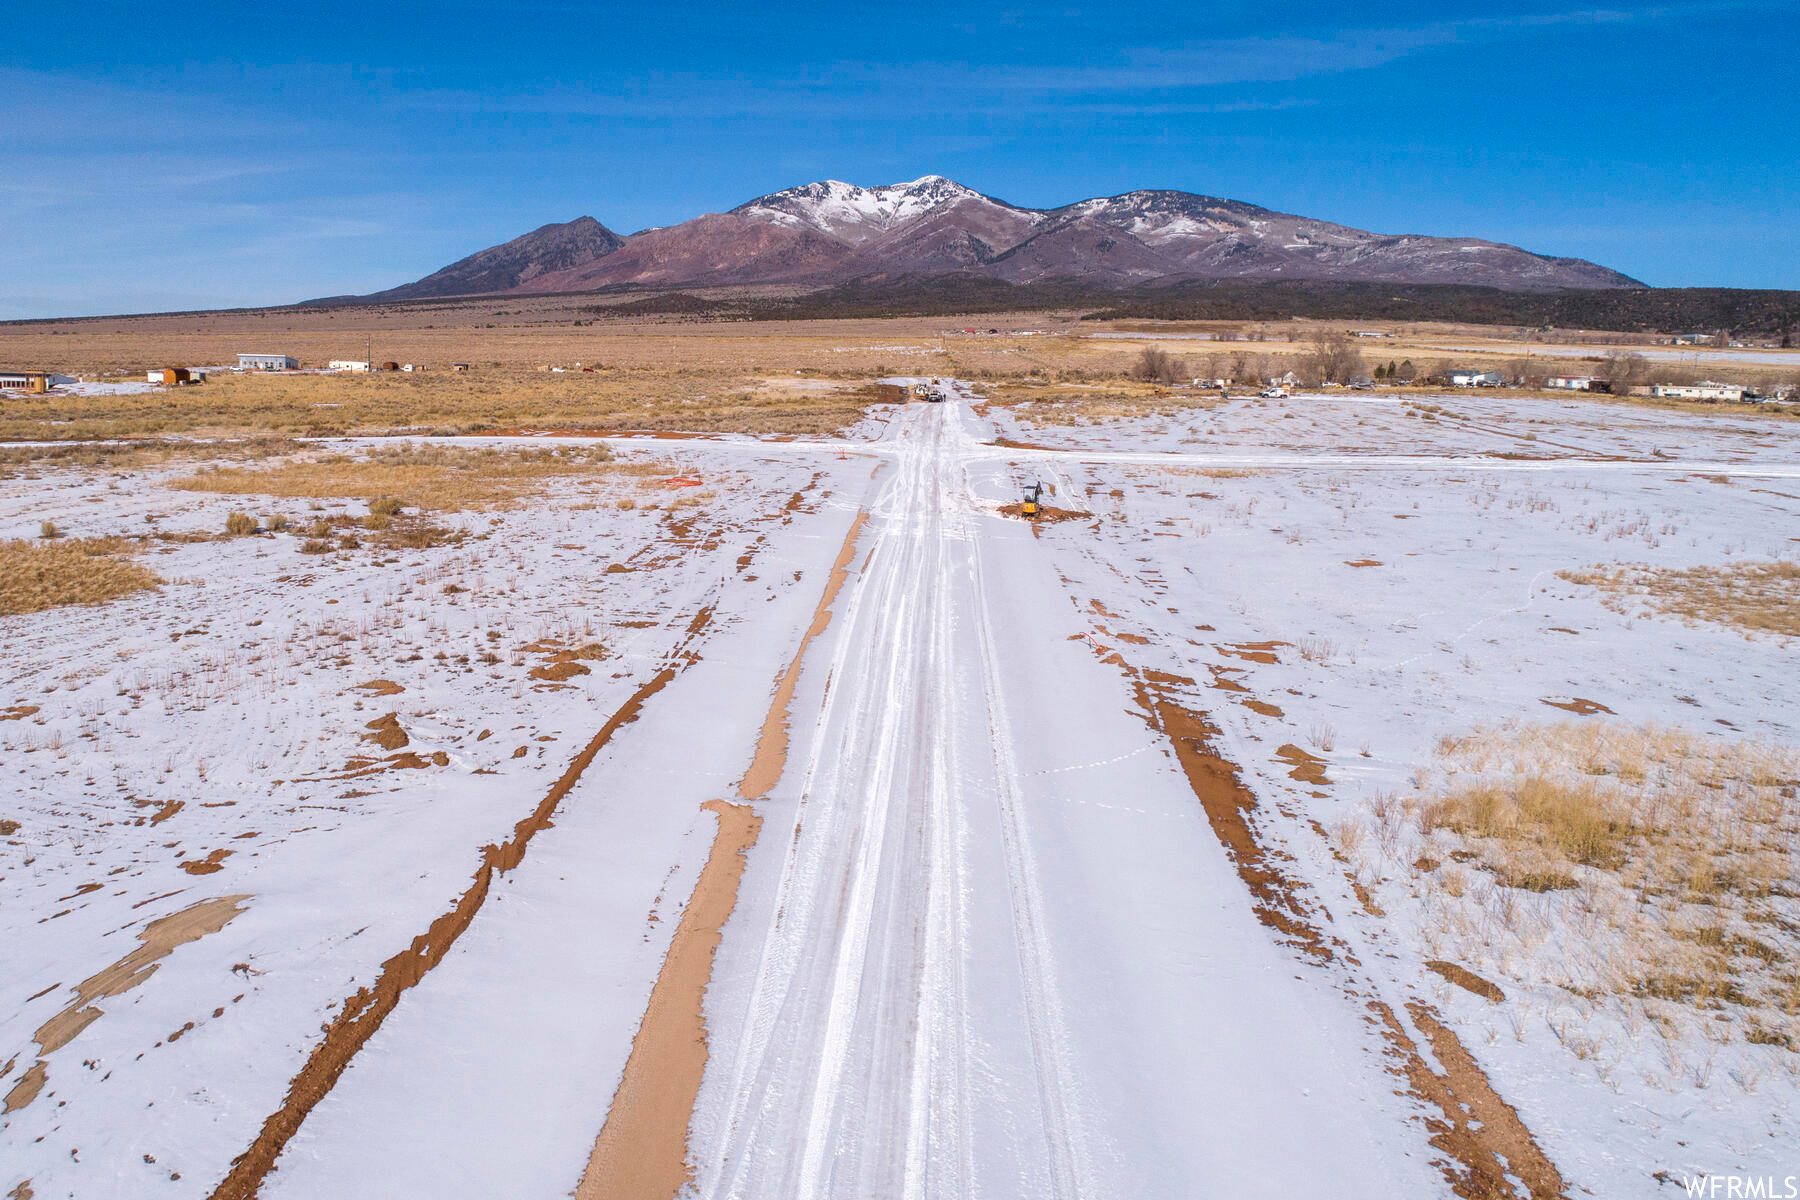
1034	496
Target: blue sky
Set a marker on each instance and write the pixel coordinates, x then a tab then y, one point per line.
203	155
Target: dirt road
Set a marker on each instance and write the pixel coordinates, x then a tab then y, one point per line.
1000	953
985	942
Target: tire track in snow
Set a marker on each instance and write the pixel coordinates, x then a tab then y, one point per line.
642	1147
364	1012
1068	1151
853	1068
1488	1147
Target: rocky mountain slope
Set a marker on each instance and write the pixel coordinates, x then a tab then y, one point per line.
829	232
516	266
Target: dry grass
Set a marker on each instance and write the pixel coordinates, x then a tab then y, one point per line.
489	400
38	575
26	462
438	478
1650	865
1757	597
761	377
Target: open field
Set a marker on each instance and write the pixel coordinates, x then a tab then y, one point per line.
1356	794
652	362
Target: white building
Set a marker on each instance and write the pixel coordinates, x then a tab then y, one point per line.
1575	383
267	362
1469	377
346	364
1699	391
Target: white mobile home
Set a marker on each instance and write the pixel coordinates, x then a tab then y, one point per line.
1699	391
267	362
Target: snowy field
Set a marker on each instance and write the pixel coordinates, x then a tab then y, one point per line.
1064	859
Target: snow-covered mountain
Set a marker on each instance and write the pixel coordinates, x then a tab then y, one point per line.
829	232
858	215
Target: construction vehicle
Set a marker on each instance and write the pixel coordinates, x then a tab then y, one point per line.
1034	496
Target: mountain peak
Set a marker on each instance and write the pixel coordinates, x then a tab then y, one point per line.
828	231
856	214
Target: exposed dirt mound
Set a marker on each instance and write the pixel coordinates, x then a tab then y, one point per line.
559	670
1045	513
1464	978
381	687
1307	768
1256	652
1578	706
206	866
386	732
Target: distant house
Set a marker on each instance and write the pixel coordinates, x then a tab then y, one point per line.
461	368
1470	377
346	364
1730	392
33	381
174	376
1288	380
267	362
1577	383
